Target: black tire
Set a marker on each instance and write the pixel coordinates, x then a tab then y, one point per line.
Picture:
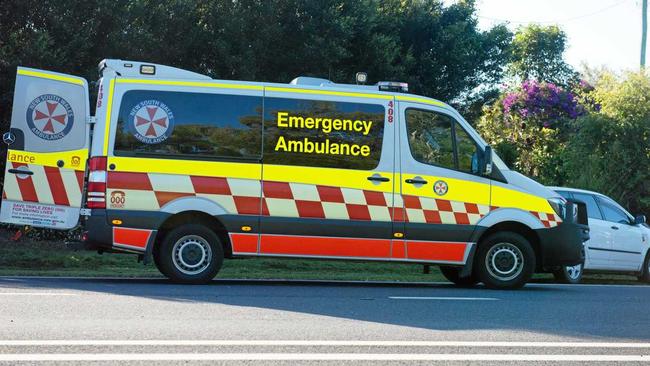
191	254
569	274
452	274
645	272
505	260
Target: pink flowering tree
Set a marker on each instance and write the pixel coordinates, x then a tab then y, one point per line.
528	126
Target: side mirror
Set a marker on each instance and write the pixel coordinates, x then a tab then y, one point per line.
486	162
639	219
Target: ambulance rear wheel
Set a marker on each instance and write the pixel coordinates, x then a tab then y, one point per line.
191	254
505	260
452	274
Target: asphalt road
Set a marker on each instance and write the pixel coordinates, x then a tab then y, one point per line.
106	321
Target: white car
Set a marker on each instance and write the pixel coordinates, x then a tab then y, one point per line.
618	243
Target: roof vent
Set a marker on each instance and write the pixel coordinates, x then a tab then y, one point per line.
393	86
305	80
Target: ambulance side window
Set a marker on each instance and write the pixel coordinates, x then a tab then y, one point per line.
437	139
176	125
321	133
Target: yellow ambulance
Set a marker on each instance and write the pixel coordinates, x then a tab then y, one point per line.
188	170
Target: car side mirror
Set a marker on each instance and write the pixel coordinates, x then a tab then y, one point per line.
486	162
639	220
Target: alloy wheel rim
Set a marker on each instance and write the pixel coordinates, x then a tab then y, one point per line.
574	272
504	261
191	254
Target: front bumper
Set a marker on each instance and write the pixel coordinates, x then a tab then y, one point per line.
563	244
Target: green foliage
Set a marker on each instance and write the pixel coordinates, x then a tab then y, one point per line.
537	54
439	50
610	152
529	127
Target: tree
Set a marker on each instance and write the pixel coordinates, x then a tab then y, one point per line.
537	54
529	127
610	152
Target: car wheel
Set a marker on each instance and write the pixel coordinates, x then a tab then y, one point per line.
452	274
569	274
191	254
645	273
505	260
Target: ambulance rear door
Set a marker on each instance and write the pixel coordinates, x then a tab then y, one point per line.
47	148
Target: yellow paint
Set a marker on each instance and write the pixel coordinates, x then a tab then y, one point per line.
246	228
187	167
51	159
408	98
398	235
200	84
117	222
504	197
329	92
109	108
43	75
458	189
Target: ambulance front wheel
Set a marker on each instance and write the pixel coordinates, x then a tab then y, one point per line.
505	260
191	254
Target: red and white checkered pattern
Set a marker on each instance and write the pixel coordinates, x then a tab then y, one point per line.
47	185
547	219
144	191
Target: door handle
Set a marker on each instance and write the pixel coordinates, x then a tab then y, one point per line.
378	178
416	181
20	171
615	227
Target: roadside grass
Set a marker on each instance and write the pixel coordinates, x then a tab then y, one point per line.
51	258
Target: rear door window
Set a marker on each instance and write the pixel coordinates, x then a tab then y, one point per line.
178	125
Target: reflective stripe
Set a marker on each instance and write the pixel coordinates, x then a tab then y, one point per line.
26	186
55	181
43	75
324	246
185	167
243	243
50	158
133	238
109	107
200	84
436	251
42	186
328	92
407	98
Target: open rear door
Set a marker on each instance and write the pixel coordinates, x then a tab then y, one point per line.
47	150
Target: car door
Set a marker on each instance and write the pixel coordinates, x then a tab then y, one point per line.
601	236
47	150
627	245
328	174
443	196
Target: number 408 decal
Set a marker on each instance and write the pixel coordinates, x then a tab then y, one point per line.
391	111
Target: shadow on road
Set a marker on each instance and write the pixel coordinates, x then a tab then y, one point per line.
580	311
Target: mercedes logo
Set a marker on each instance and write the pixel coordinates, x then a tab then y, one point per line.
8	138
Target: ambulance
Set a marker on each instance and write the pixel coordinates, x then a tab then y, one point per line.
185	170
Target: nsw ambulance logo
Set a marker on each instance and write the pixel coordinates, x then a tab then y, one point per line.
440	187
50	117
152	122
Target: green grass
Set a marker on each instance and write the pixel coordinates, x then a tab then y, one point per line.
51	258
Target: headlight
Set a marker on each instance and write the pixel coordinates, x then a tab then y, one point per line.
559	206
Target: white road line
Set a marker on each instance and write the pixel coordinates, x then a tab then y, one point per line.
352	343
442	298
37	294
314	357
